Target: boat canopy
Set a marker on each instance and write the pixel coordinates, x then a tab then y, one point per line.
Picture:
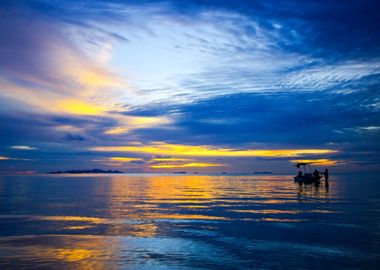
299	164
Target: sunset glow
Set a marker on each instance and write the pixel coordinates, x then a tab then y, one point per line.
73	106
192	134
125	159
185	165
160	148
317	162
173	134
97	81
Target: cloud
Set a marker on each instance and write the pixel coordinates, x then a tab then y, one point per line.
206	53
45	71
73	106
125	159
11	158
161	148
185	165
129	123
74	137
318	162
171	159
23	147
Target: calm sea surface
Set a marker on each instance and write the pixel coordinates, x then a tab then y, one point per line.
188	222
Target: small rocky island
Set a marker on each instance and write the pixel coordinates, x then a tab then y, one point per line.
85	171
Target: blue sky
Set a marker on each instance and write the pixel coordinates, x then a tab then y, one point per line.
208	86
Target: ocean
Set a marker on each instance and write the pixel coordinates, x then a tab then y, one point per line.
141	221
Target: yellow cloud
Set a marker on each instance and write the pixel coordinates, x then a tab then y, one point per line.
163	159
34	99
74	106
91	78
147	121
4	158
161	148
320	162
129	123
186	165
125	159
117	130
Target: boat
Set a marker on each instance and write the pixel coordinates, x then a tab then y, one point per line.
305	175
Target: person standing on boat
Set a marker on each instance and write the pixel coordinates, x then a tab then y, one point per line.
326	175
316	174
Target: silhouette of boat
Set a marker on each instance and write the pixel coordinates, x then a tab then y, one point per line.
306	176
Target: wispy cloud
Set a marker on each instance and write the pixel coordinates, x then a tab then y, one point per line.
11	158
23	147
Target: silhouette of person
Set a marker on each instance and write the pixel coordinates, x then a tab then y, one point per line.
316	174
326	175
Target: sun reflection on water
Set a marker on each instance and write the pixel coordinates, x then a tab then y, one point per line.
102	224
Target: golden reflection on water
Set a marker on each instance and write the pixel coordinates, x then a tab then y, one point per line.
71	255
60	251
92	220
81	227
137	206
192	197
287	212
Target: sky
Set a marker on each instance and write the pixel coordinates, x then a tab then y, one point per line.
195	86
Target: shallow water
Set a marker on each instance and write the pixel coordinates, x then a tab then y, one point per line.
188	222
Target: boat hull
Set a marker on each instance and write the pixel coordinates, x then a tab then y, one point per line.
308	179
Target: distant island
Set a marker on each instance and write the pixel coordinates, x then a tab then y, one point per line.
262	172
85	171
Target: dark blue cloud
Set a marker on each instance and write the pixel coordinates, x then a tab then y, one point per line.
345	121
275	118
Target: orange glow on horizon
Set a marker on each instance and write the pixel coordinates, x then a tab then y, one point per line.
186	165
327	162
125	159
165	159
161	148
